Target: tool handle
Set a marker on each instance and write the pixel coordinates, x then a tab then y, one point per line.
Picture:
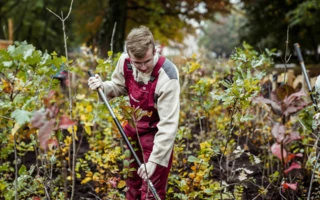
90	73
298	50
306	77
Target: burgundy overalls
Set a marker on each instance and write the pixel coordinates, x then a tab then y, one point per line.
143	96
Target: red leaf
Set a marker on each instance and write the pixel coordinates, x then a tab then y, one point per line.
38	119
45	133
47	100
65	122
294	165
113	181
292	186
292	156
274	106
276	150
53	111
294	103
278	131
295	96
291	137
289	157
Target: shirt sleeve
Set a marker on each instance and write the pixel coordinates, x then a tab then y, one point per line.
116	87
168	109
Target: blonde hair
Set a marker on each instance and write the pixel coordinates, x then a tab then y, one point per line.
139	41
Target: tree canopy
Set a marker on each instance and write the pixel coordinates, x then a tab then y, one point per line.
92	22
268	22
32	22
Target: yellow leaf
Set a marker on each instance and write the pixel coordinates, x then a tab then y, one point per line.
80	96
192	175
15	128
75	136
80	108
69	178
194	66
95	177
89	173
2	186
86	180
75	128
83	117
89	108
87	129
68	140
121	184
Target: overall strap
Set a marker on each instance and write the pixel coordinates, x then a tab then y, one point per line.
127	69
127	64
154	79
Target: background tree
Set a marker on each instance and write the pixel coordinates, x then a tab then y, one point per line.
92	22
32	22
268	22
168	19
221	37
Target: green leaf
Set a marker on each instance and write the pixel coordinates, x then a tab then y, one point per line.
21	116
28	53
7	63
208	191
192	159
4	168
22	169
3	185
11	48
54	53
246	118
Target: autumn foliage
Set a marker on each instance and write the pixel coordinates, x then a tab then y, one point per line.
232	143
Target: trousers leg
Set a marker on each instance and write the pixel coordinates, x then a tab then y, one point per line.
159	178
133	181
133	187
136	187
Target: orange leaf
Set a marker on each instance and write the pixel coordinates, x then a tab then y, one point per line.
52	143
6	86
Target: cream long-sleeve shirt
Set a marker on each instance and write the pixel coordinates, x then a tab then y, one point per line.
167	104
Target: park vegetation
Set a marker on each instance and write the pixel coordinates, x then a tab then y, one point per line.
236	139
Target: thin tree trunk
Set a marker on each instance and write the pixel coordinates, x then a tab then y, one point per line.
116	12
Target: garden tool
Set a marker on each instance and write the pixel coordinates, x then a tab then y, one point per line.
299	54
125	138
